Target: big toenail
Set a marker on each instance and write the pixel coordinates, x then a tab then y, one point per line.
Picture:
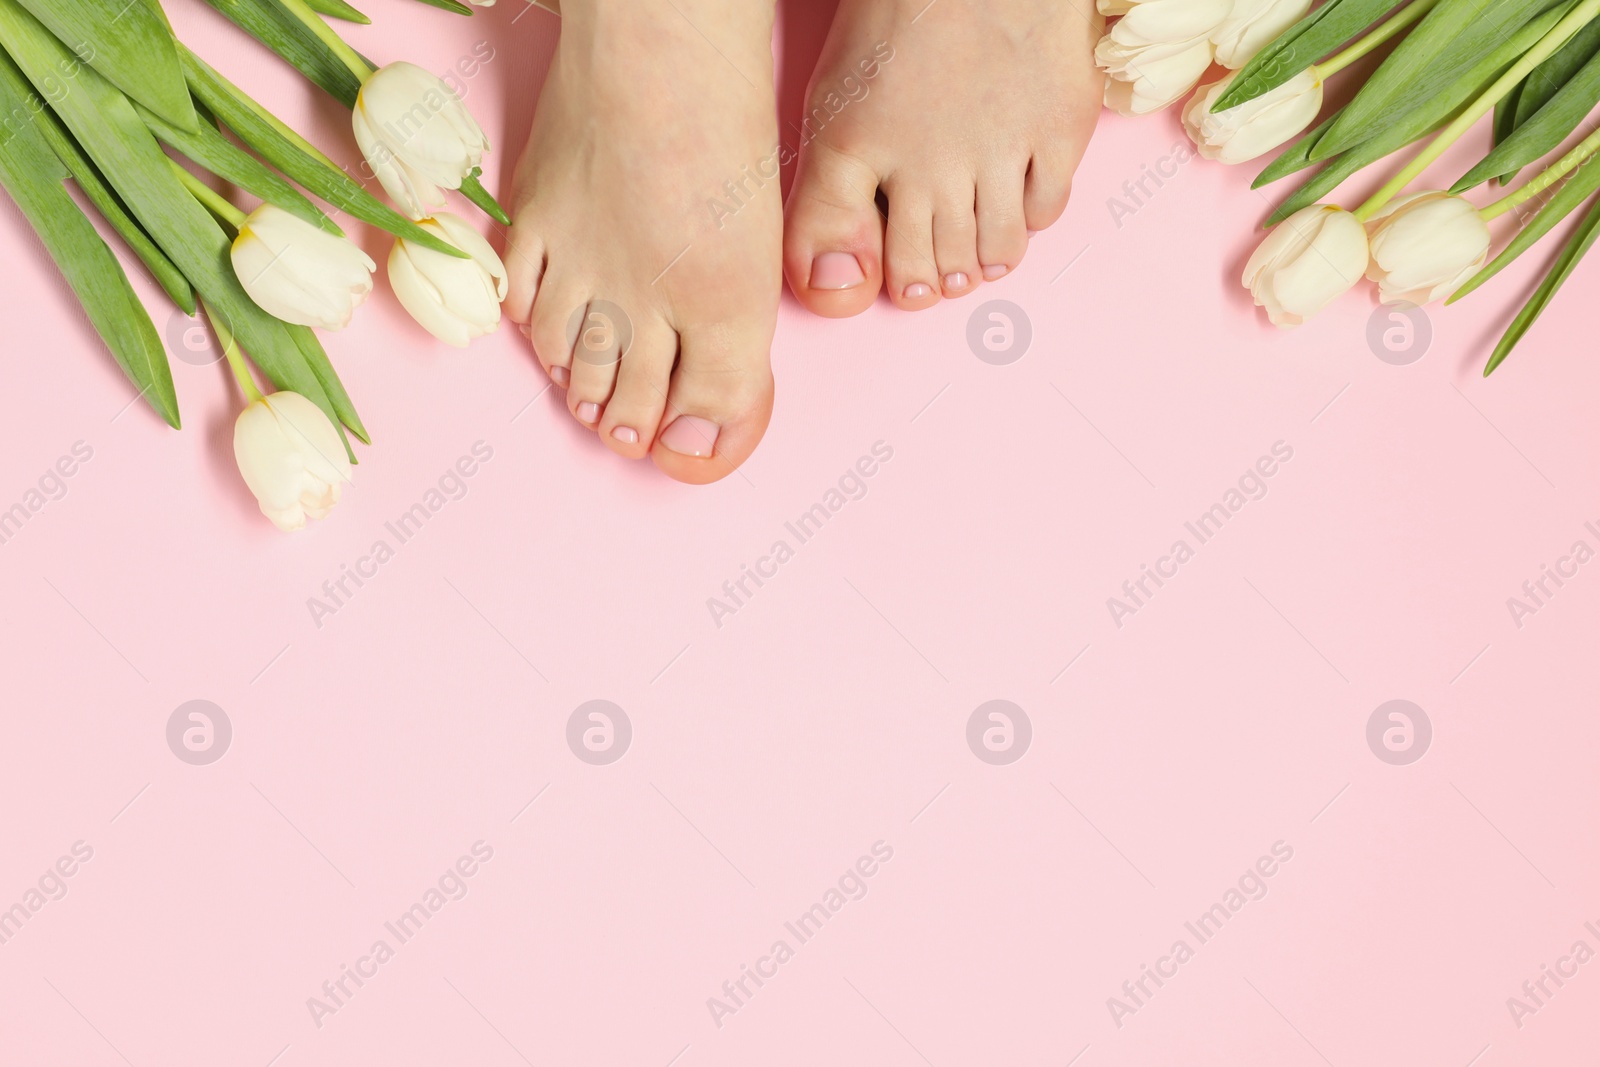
836	270
626	434
561	376
995	270
917	291
589	412
690	435
957	280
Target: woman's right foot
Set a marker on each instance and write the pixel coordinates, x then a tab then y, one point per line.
644	259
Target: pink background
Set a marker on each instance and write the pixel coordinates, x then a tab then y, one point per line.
829	713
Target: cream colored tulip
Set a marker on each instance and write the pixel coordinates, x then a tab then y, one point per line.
1157	50
1426	246
1257	126
298	273
1252	25
454	299
1306	263
417	136
291	457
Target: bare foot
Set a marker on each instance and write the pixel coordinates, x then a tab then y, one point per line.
968	116
647	283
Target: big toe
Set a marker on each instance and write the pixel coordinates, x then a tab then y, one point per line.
718	405
833	234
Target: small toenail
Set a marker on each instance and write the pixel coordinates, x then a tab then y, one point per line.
589	412
995	270
626	434
918	290
1031	233
561	376
836	270
957	280
526	331
690	435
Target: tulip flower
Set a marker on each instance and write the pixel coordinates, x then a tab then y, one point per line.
1252	25
299	273
1307	262
1256	127
417	135
1157	51
1425	246
291	457
454	299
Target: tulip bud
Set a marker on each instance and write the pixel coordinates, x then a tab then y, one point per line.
417	135
291	457
454	299
298	273
1256	126
1307	262
1157	50
1252	25
1425	246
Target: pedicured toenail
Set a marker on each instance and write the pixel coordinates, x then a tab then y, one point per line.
957	280
561	376
836	270
690	435
918	291
589	412
626	434
995	270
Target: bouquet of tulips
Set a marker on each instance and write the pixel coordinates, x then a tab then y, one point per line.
1535	64
114	103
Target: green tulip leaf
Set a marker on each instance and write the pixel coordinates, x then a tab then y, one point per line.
1301	45
271	24
338	9
1296	157
128	41
473	190
1548	127
1582	184
33	175
1572	254
450	5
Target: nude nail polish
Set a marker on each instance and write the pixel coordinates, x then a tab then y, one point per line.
626	434
589	412
956	280
690	435
918	291
995	270
561	376
836	271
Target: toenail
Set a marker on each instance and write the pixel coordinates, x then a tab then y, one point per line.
1031	233
836	270
561	376
690	435
526	330
589	412
917	291
995	270
958	280
626	434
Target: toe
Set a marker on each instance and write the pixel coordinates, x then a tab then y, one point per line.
600	336
955	239
833	234
1002	230
524	260
718	405
554	309
1045	193
633	415
910	273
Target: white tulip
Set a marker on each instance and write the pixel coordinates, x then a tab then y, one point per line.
454	299
417	135
1252	26
1306	263
1157	51
298	273
1425	246
291	458
1257	126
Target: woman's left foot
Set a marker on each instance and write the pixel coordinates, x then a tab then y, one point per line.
968	116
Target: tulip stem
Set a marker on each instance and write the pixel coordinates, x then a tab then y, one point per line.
336	44
213	200
241	372
1580	154
1576	19
1413	13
